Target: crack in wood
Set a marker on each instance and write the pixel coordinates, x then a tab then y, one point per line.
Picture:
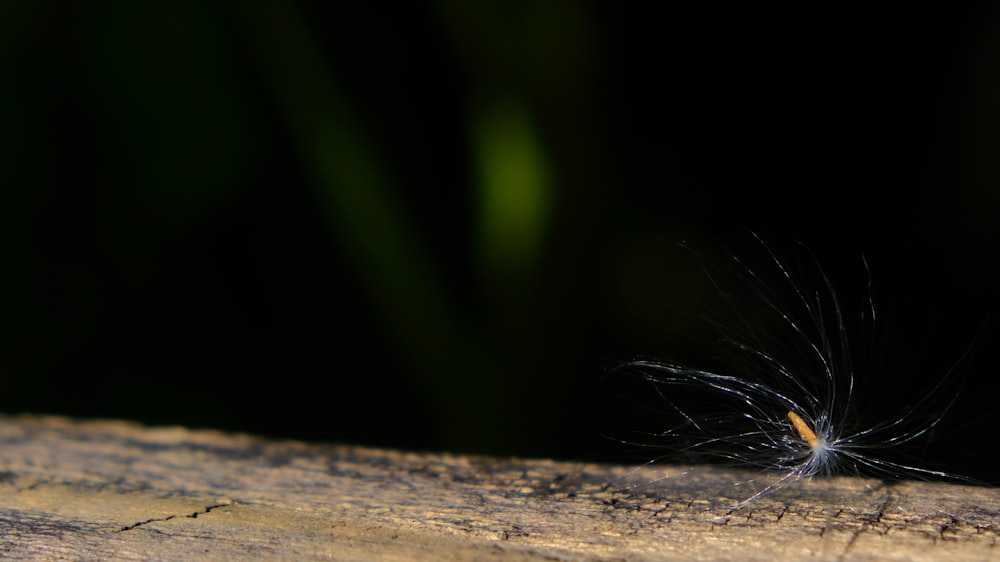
172	517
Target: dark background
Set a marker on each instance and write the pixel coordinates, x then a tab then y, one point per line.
441	226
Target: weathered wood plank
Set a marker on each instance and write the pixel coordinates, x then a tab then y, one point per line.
114	490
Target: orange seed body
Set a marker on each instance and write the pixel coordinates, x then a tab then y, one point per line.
806	432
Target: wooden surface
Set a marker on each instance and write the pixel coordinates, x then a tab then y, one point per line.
114	490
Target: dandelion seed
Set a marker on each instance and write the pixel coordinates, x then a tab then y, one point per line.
789	360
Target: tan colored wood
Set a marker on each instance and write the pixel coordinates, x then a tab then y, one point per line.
102	490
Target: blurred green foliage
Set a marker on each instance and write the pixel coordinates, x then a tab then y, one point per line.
161	129
514	191
434	225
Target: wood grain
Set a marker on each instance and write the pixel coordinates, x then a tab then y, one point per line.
101	490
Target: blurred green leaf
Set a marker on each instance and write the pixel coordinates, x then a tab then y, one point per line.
372	227
515	189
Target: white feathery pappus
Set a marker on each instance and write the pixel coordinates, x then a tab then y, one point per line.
782	396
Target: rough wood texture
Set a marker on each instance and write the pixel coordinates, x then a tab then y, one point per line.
115	490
